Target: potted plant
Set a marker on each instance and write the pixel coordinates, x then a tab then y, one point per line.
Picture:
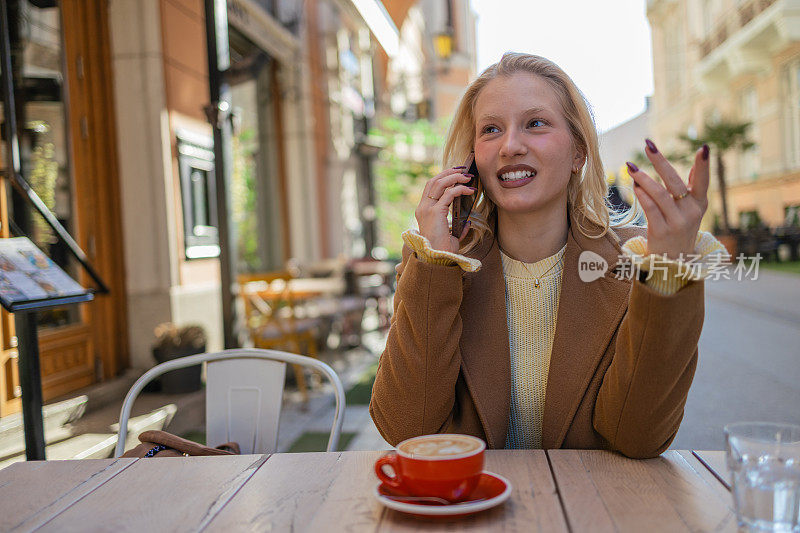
173	342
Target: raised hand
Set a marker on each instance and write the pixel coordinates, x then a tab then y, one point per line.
673	211
431	213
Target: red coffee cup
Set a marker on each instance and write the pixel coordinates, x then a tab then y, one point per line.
447	466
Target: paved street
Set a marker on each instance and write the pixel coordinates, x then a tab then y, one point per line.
749	358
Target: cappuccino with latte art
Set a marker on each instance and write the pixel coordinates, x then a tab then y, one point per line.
440	446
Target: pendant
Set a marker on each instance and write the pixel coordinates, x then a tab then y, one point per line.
536	283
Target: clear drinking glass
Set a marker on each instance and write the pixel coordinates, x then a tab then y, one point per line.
764	461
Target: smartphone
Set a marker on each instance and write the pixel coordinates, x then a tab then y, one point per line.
462	205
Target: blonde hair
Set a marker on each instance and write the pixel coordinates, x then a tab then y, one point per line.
587	190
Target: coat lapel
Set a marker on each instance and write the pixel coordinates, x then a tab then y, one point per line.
486	361
588	315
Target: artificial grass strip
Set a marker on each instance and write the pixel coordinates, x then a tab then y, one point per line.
310	441
361	392
317	441
792	267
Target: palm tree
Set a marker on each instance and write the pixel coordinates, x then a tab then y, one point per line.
721	136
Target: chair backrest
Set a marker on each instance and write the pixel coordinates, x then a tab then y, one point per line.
244	391
267	300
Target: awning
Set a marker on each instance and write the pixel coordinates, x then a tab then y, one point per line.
380	24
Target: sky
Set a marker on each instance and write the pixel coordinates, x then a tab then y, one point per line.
604	46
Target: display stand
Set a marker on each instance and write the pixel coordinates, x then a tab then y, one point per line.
31	282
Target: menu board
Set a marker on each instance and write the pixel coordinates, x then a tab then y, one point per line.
27	275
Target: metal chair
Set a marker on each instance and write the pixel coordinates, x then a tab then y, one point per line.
244	392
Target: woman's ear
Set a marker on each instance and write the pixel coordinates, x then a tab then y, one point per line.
578	162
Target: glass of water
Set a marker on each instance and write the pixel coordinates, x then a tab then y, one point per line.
764	462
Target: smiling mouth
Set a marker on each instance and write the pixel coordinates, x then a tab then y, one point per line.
517	175
512	173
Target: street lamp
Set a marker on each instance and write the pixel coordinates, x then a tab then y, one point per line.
443	43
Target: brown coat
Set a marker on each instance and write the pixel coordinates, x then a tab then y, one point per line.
622	361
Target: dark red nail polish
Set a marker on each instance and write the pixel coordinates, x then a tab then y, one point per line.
705	152
469	175
632	167
472	188
651	146
459	167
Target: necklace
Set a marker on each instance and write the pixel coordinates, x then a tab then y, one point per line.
537	279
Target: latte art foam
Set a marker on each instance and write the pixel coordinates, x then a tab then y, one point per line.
439	446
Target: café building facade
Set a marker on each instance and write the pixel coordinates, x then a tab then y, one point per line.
112	106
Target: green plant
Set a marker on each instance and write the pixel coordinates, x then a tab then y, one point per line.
243	189
408	160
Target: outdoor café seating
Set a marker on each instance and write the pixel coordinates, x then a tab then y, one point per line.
244	394
546	490
373	280
759	240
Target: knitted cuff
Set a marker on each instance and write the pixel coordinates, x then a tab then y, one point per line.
668	276
424	252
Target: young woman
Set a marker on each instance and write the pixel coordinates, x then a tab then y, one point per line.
504	333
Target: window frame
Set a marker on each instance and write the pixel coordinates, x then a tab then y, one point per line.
196	153
750	160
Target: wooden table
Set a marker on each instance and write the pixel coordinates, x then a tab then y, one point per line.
559	490
297	288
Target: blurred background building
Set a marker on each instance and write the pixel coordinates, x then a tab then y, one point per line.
733	61
436	58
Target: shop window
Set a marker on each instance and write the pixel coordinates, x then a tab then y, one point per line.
791	215
198	194
749	220
44	138
791	114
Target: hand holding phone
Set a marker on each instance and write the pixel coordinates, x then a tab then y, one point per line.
462	205
446	191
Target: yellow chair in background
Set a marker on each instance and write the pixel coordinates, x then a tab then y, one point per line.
274	318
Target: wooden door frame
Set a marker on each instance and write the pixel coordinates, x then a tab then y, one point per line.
98	190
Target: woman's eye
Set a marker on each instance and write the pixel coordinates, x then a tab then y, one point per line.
534	121
489	129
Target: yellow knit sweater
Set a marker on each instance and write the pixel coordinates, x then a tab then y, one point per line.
532	313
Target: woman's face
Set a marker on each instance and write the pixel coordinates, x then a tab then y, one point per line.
523	147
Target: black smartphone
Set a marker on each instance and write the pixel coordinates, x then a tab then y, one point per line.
462	205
